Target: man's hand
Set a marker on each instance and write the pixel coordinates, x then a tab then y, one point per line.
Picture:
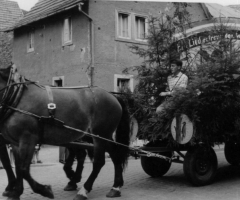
163	94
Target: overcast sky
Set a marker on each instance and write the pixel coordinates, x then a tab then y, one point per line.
28	4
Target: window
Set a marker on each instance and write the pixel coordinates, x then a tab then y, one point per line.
140	28
67	31
30	44
58	81
123	82
131	26
124	25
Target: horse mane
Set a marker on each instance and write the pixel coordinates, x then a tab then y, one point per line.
4	73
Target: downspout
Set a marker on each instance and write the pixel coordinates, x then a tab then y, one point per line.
91	65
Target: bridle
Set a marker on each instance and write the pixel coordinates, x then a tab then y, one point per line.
14	79
6	89
12	93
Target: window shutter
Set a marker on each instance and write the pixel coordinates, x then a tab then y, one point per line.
66	31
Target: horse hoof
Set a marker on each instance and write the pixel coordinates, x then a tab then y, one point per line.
80	197
48	192
70	187
6	194
13	198
113	193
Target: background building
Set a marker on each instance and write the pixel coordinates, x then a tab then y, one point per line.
82	42
10	13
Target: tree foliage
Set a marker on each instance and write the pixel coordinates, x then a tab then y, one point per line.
212	98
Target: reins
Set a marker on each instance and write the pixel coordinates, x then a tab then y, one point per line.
60	123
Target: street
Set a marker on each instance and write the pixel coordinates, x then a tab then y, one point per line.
138	185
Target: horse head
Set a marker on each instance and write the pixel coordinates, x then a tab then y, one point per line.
12	71
8	76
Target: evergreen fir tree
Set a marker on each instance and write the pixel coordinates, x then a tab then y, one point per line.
212	99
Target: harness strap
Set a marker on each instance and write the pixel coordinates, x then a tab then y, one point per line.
51	105
62	124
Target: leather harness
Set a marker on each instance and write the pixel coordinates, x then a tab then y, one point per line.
51	105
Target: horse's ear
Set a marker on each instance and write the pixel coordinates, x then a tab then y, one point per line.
14	68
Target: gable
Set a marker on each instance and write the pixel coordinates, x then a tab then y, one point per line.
44	9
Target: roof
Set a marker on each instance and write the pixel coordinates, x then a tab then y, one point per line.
44	9
217	10
235	7
9	13
24	12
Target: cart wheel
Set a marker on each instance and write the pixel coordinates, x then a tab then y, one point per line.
200	165
232	152
156	167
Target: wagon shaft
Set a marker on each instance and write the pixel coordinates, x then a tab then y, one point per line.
80	145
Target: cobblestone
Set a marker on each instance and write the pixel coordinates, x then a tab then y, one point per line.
138	185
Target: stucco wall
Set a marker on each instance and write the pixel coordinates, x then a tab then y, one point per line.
110	54
50	58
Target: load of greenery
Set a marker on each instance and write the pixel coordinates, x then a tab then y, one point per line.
211	101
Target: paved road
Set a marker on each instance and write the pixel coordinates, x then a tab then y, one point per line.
138	185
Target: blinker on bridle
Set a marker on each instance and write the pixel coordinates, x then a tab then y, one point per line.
13	79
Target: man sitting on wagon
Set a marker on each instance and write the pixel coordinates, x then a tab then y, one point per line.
176	81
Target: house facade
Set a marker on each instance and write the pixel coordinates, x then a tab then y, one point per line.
10	13
86	42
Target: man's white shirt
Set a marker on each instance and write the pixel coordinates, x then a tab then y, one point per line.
177	81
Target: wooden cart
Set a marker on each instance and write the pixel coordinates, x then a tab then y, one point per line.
199	161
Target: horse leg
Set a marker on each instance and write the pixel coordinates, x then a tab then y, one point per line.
81	155
98	163
69	171
118	177
18	189
119	154
23	155
77	175
7	166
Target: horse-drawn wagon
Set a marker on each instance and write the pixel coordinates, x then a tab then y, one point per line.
184	144
199	161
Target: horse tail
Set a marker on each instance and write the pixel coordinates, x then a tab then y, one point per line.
123	134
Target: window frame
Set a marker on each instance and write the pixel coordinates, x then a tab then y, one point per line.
129	25
123	76
30	41
69	42
135	27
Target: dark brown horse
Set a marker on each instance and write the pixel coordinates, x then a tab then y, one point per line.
23	123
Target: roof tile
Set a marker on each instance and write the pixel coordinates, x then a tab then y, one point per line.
10	13
44	9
